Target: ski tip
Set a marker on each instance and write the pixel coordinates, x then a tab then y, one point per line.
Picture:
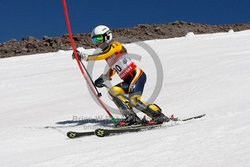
199	116
195	117
71	134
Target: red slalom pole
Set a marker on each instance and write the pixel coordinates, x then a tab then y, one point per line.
79	63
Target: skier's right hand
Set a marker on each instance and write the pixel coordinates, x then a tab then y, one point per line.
99	82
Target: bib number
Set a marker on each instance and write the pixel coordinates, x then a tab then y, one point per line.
123	66
117	68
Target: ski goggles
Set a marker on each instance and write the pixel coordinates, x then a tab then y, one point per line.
97	38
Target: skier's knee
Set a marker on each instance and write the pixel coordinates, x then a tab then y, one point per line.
134	99
118	97
115	90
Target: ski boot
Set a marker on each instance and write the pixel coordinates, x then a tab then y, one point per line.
131	119
153	111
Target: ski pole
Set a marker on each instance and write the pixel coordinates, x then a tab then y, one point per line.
79	64
98	93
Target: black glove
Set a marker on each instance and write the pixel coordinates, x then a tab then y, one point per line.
73	55
99	82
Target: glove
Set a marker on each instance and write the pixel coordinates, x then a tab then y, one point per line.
99	82
81	56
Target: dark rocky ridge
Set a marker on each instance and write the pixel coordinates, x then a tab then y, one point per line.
31	45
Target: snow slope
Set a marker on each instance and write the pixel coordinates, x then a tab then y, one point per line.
202	74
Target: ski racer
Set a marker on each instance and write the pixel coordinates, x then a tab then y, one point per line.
133	78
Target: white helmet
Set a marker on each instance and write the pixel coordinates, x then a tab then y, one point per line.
101	33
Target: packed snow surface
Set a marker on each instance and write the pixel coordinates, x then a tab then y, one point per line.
43	96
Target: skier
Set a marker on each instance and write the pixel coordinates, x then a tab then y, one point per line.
133	79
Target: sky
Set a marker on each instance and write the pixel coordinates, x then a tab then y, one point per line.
38	18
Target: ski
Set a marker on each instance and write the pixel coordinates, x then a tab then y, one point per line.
108	132
101	132
127	129
74	134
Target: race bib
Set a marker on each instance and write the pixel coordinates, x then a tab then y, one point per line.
124	66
